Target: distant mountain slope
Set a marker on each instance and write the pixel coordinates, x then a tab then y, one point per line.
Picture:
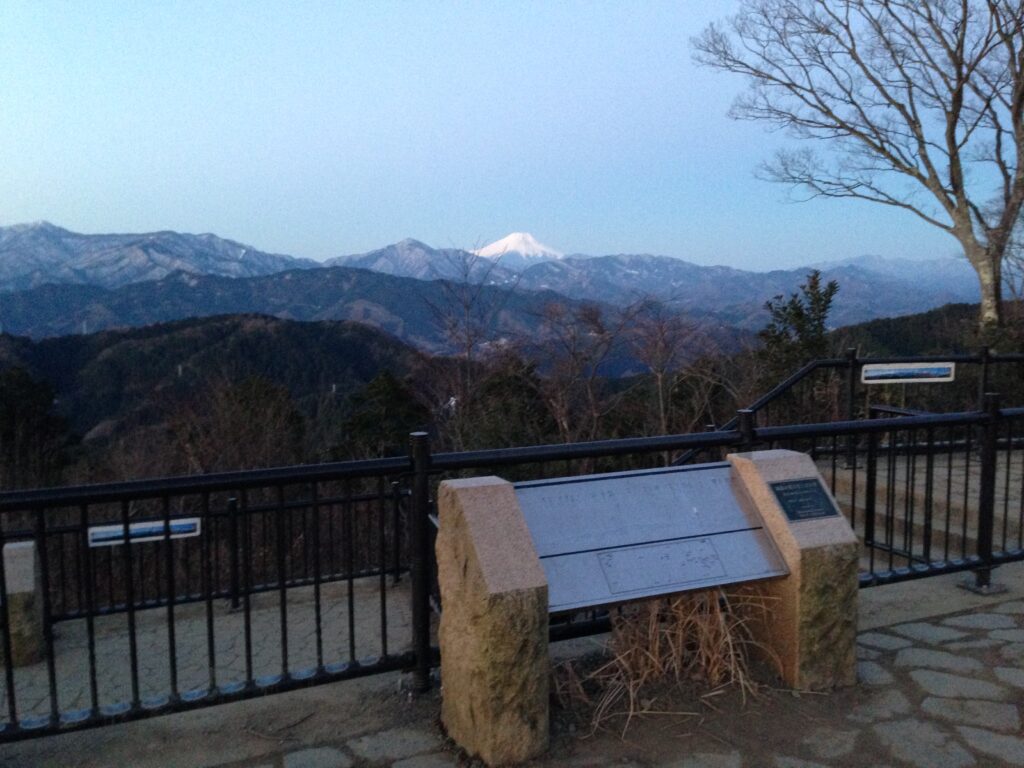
737	296
36	254
411	258
117	375
945	330
411	310
869	287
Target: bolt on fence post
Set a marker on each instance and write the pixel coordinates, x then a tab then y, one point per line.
987	496
746	426
419	453
851	404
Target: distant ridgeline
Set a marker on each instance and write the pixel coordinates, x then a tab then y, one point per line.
61	282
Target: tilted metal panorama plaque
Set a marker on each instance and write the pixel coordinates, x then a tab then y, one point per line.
804	499
605	539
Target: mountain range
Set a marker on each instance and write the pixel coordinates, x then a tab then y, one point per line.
36	254
56	281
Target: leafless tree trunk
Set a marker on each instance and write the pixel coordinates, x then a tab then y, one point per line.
922	102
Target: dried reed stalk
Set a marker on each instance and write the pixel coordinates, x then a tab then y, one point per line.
700	638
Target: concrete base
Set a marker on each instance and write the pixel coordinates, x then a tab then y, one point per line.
495	671
24	603
810	629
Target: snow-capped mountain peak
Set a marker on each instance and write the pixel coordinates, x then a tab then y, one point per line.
522	243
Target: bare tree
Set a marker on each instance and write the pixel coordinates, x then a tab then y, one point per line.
666	342
574	346
921	101
467	313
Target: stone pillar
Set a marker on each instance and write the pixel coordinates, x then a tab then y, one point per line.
24	602
811	621
494	624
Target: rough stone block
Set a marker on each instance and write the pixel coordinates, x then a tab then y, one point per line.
24	602
494	627
811	622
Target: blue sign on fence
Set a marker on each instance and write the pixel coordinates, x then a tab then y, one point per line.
150	530
907	373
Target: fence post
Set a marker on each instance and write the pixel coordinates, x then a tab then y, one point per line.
747	427
851	404
987	497
419	453
233	543
870	499
983	379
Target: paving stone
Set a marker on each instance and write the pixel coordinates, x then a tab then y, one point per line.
828	743
317	757
795	762
929	633
926	657
871	673
1014	607
883	706
433	760
1013	652
1008	635
1002	717
975	645
981	621
955	686
866	654
922	744
1011	675
883	641
394	744
1008	748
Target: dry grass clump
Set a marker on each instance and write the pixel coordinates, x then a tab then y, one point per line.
657	647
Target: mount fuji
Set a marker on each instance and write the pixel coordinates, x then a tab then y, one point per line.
518	251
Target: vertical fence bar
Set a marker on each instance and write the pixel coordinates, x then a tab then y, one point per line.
172	637
870	492
348	564
382	555
12	705
206	576
851	404
317	609
90	604
133	648
987	491
985	354
419	450
929	494
747	426
44	566
233	554
396	527
282	587
246	538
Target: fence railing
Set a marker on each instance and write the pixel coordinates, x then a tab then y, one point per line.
183	592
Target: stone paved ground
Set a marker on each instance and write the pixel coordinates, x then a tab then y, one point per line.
942	684
112	649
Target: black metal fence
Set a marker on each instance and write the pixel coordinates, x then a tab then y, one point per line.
229	586
169	594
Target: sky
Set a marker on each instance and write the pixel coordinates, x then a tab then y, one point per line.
322	129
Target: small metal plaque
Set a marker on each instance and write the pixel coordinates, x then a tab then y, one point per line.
138	533
907	373
605	539
804	499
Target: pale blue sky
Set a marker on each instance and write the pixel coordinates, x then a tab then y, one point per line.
319	129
